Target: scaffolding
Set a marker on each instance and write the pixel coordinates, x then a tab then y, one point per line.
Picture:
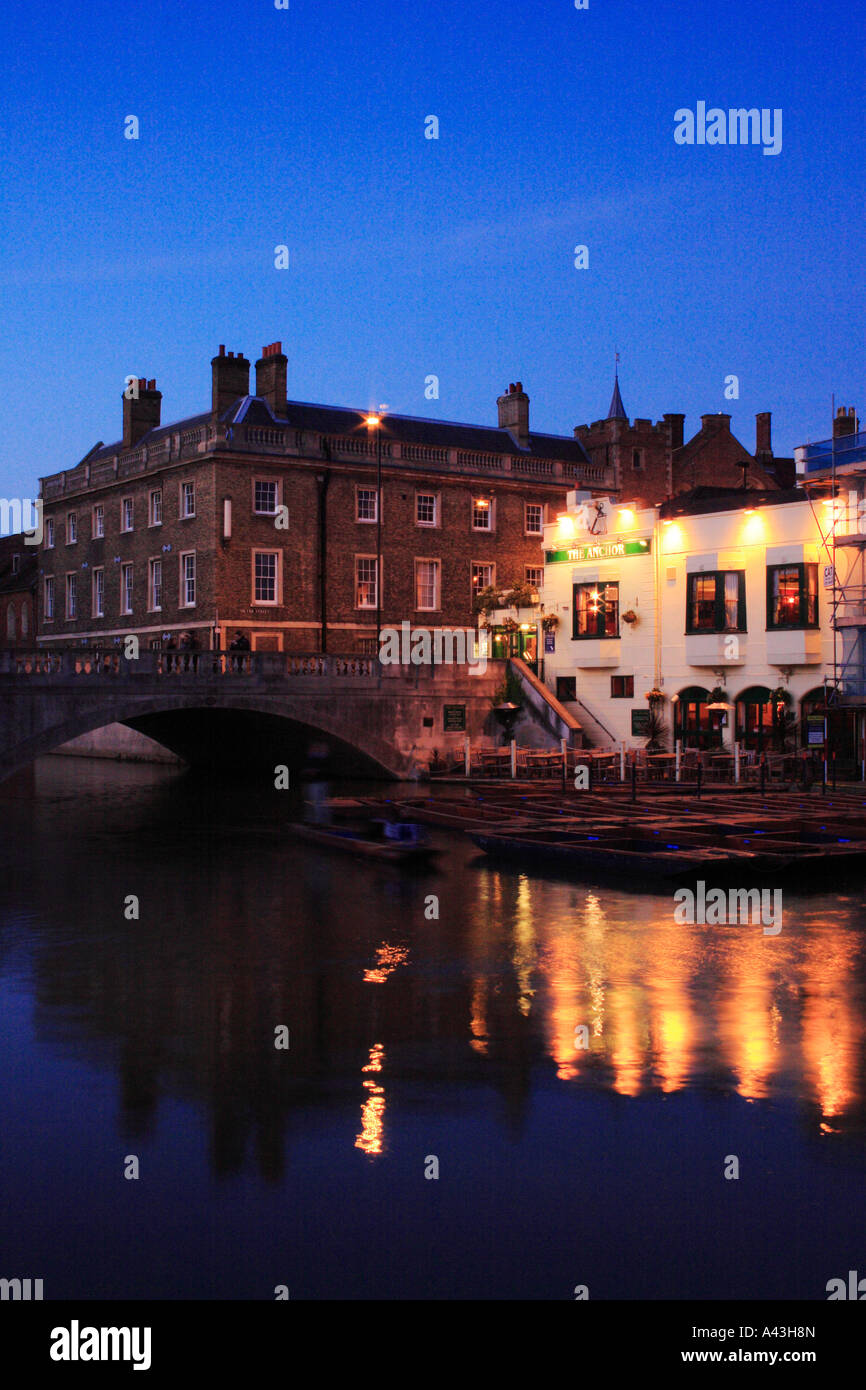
840	465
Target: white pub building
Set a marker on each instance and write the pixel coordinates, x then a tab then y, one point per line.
714	610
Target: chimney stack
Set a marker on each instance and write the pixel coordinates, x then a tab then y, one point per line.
716	422
676	425
231	379
271	371
514	413
140	414
764	435
846	422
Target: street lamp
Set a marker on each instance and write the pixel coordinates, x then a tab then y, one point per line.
374	422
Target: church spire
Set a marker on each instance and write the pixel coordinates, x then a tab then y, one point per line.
617	409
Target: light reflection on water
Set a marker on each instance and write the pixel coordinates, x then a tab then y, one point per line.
392	1015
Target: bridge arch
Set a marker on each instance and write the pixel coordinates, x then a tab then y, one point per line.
376	721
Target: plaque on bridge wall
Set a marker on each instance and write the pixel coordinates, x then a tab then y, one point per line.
454	719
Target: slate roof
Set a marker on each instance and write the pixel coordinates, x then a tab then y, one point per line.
726	499
336	420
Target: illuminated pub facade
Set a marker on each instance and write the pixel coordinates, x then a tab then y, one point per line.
712	612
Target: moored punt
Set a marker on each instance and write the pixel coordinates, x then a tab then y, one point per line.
365	842
674	853
637	856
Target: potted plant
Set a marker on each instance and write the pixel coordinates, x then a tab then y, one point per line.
550	622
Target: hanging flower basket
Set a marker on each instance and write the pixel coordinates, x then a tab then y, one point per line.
781	695
719	696
654	695
550	622
630	617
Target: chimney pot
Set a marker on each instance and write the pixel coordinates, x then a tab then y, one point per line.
222	349
271	378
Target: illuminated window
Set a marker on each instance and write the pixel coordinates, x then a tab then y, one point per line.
365	581
792	596
483	577
596	610
482	514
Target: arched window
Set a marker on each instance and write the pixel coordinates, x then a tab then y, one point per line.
695	724
813	718
755	718
25	620
10	623
636	460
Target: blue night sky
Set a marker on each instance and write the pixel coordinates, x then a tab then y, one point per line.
411	256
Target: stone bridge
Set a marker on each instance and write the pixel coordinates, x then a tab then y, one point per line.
248	710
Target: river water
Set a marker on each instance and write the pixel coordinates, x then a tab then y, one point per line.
414	1043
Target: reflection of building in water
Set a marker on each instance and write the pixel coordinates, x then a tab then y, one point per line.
251	934
373	1110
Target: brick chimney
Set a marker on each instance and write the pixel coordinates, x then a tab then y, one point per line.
231	378
846	422
764	435
676	425
514	413
141	413
714	423
271	371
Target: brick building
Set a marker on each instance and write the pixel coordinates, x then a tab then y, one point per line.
652	462
260	515
18	566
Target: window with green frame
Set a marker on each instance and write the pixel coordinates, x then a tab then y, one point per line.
792	595
716	601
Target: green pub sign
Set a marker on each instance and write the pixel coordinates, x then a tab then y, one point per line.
604	550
